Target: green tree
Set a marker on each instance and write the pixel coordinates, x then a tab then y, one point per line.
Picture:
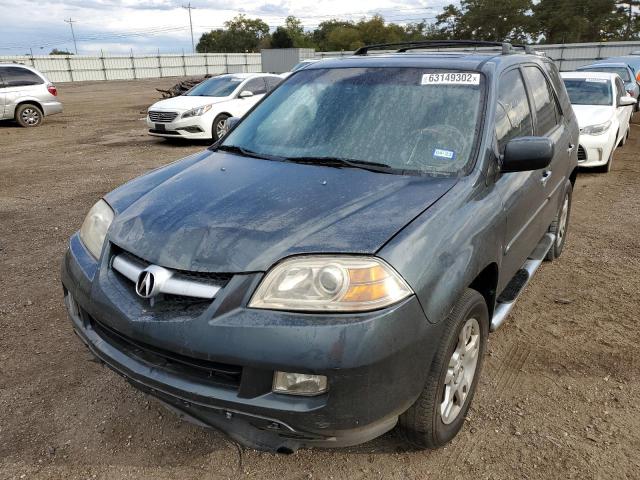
281	38
241	34
569	21
55	51
320	35
494	20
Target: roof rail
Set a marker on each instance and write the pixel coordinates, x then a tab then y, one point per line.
506	47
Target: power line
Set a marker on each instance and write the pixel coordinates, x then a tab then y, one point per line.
189	8
70	22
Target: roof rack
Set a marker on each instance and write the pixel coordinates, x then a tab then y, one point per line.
507	48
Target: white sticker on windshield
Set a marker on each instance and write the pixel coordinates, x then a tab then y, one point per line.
597	80
451	78
442	154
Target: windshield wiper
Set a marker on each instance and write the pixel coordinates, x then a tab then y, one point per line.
248	153
342	162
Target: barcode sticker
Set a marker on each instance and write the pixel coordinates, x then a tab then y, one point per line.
451	78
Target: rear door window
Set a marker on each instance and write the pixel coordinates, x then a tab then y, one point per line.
256	86
513	115
543	101
19	77
272	82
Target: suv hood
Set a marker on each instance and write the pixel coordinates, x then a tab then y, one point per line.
592	114
186	102
220	212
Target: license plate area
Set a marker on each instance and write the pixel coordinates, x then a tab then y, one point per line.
161	126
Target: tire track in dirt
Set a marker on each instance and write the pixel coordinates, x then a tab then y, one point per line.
504	379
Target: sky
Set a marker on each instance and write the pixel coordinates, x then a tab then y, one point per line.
144	26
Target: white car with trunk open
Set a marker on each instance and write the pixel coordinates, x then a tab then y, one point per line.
603	109
202	112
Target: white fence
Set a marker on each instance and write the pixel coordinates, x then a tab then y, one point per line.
77	68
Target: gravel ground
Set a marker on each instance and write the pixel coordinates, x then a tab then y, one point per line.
559	397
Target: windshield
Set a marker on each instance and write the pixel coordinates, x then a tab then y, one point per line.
406	119
215	87
621	71
589	91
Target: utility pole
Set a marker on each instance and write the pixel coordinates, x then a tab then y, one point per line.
71	22
189	7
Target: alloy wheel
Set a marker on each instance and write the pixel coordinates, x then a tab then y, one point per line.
30	116
460	371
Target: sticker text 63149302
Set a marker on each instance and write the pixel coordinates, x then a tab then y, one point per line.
451	78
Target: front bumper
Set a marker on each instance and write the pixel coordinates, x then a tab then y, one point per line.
194	128
597	149
376	363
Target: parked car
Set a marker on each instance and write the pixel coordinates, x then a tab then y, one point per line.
623	70
298	66
26	95
202	112
318	275
632	60
603	108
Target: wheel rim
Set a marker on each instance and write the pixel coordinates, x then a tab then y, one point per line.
221	128
460	371
564	214
30	116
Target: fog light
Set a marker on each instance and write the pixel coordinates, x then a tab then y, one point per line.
299	384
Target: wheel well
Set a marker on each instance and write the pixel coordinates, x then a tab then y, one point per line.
486	283
29	102
573	176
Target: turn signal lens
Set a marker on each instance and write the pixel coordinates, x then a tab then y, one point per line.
330	283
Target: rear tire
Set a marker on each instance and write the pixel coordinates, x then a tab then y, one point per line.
29	115
560	225
439	412
219	127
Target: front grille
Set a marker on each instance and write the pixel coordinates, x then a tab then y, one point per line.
215	373
165	302
582	154
162	117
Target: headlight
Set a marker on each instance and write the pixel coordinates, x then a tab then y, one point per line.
330	283
95	226
596	129
196	112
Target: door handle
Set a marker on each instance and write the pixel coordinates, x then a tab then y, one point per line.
571	147
546	175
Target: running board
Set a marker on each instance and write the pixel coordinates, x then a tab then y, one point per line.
514	288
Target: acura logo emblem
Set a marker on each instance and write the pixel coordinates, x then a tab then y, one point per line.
144	285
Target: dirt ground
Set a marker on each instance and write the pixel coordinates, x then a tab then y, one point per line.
559	395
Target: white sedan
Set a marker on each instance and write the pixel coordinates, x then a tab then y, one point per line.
202	112
603	109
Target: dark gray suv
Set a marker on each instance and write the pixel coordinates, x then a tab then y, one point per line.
333	266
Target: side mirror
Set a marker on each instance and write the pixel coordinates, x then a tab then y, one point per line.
232	122
245	94
626	101
527	153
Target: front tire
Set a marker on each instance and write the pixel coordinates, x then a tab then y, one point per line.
439	412
560	225
29	115
219	127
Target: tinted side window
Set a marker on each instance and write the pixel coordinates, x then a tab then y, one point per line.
558	85
256	86
272	82
543	101
18	77
513	115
